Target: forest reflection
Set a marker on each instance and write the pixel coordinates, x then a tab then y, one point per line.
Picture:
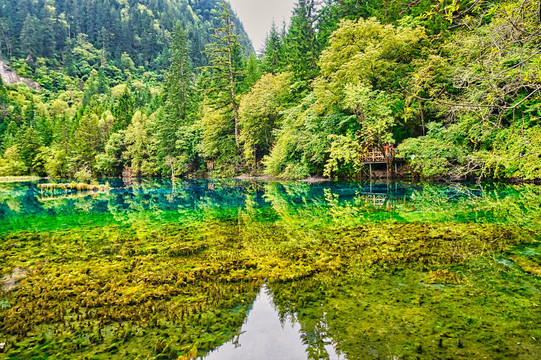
185	200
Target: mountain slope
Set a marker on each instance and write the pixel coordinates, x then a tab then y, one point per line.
141	28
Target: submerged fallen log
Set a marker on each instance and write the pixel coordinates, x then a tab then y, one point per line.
11	179
73	187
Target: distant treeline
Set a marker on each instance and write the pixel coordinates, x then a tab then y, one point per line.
60	31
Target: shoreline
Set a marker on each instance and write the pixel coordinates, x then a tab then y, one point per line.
311	179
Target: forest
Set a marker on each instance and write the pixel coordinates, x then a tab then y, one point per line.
175	88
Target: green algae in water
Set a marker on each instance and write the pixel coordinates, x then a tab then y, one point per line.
162	270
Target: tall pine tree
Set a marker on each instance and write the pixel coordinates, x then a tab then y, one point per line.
273	56
179	81
301	42
179	90
225	59
30	38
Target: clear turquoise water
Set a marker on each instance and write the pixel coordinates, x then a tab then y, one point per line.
157	269
24	207
21	199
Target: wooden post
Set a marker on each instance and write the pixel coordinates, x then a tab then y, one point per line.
370	170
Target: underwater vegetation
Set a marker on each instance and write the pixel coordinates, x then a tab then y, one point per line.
445	272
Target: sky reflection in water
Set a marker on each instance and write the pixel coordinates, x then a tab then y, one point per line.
264	336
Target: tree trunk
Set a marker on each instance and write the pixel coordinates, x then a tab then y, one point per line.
232	91
183	91
422	117
103	57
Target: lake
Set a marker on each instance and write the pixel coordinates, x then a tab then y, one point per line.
229	269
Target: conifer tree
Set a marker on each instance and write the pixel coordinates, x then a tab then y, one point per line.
29	143
272	59
224	55
301	41
4	105
30	37
179	81
252	73
47	40
123	111
179	95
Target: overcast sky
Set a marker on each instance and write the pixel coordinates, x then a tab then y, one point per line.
257	16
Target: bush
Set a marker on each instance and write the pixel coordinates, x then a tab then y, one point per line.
12	164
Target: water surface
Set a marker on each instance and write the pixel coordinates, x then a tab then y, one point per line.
230	269
264	335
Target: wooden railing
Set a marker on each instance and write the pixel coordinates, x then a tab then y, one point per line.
372	155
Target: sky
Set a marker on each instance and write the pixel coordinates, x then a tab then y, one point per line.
258	15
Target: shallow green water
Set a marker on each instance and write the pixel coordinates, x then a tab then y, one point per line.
156	269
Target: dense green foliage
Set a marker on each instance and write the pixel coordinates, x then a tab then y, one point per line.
67	30
454	82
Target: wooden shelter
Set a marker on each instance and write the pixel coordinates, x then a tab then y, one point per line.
374	156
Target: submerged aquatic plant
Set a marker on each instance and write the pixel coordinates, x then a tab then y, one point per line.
167	283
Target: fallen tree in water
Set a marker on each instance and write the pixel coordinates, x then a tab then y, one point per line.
73	187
